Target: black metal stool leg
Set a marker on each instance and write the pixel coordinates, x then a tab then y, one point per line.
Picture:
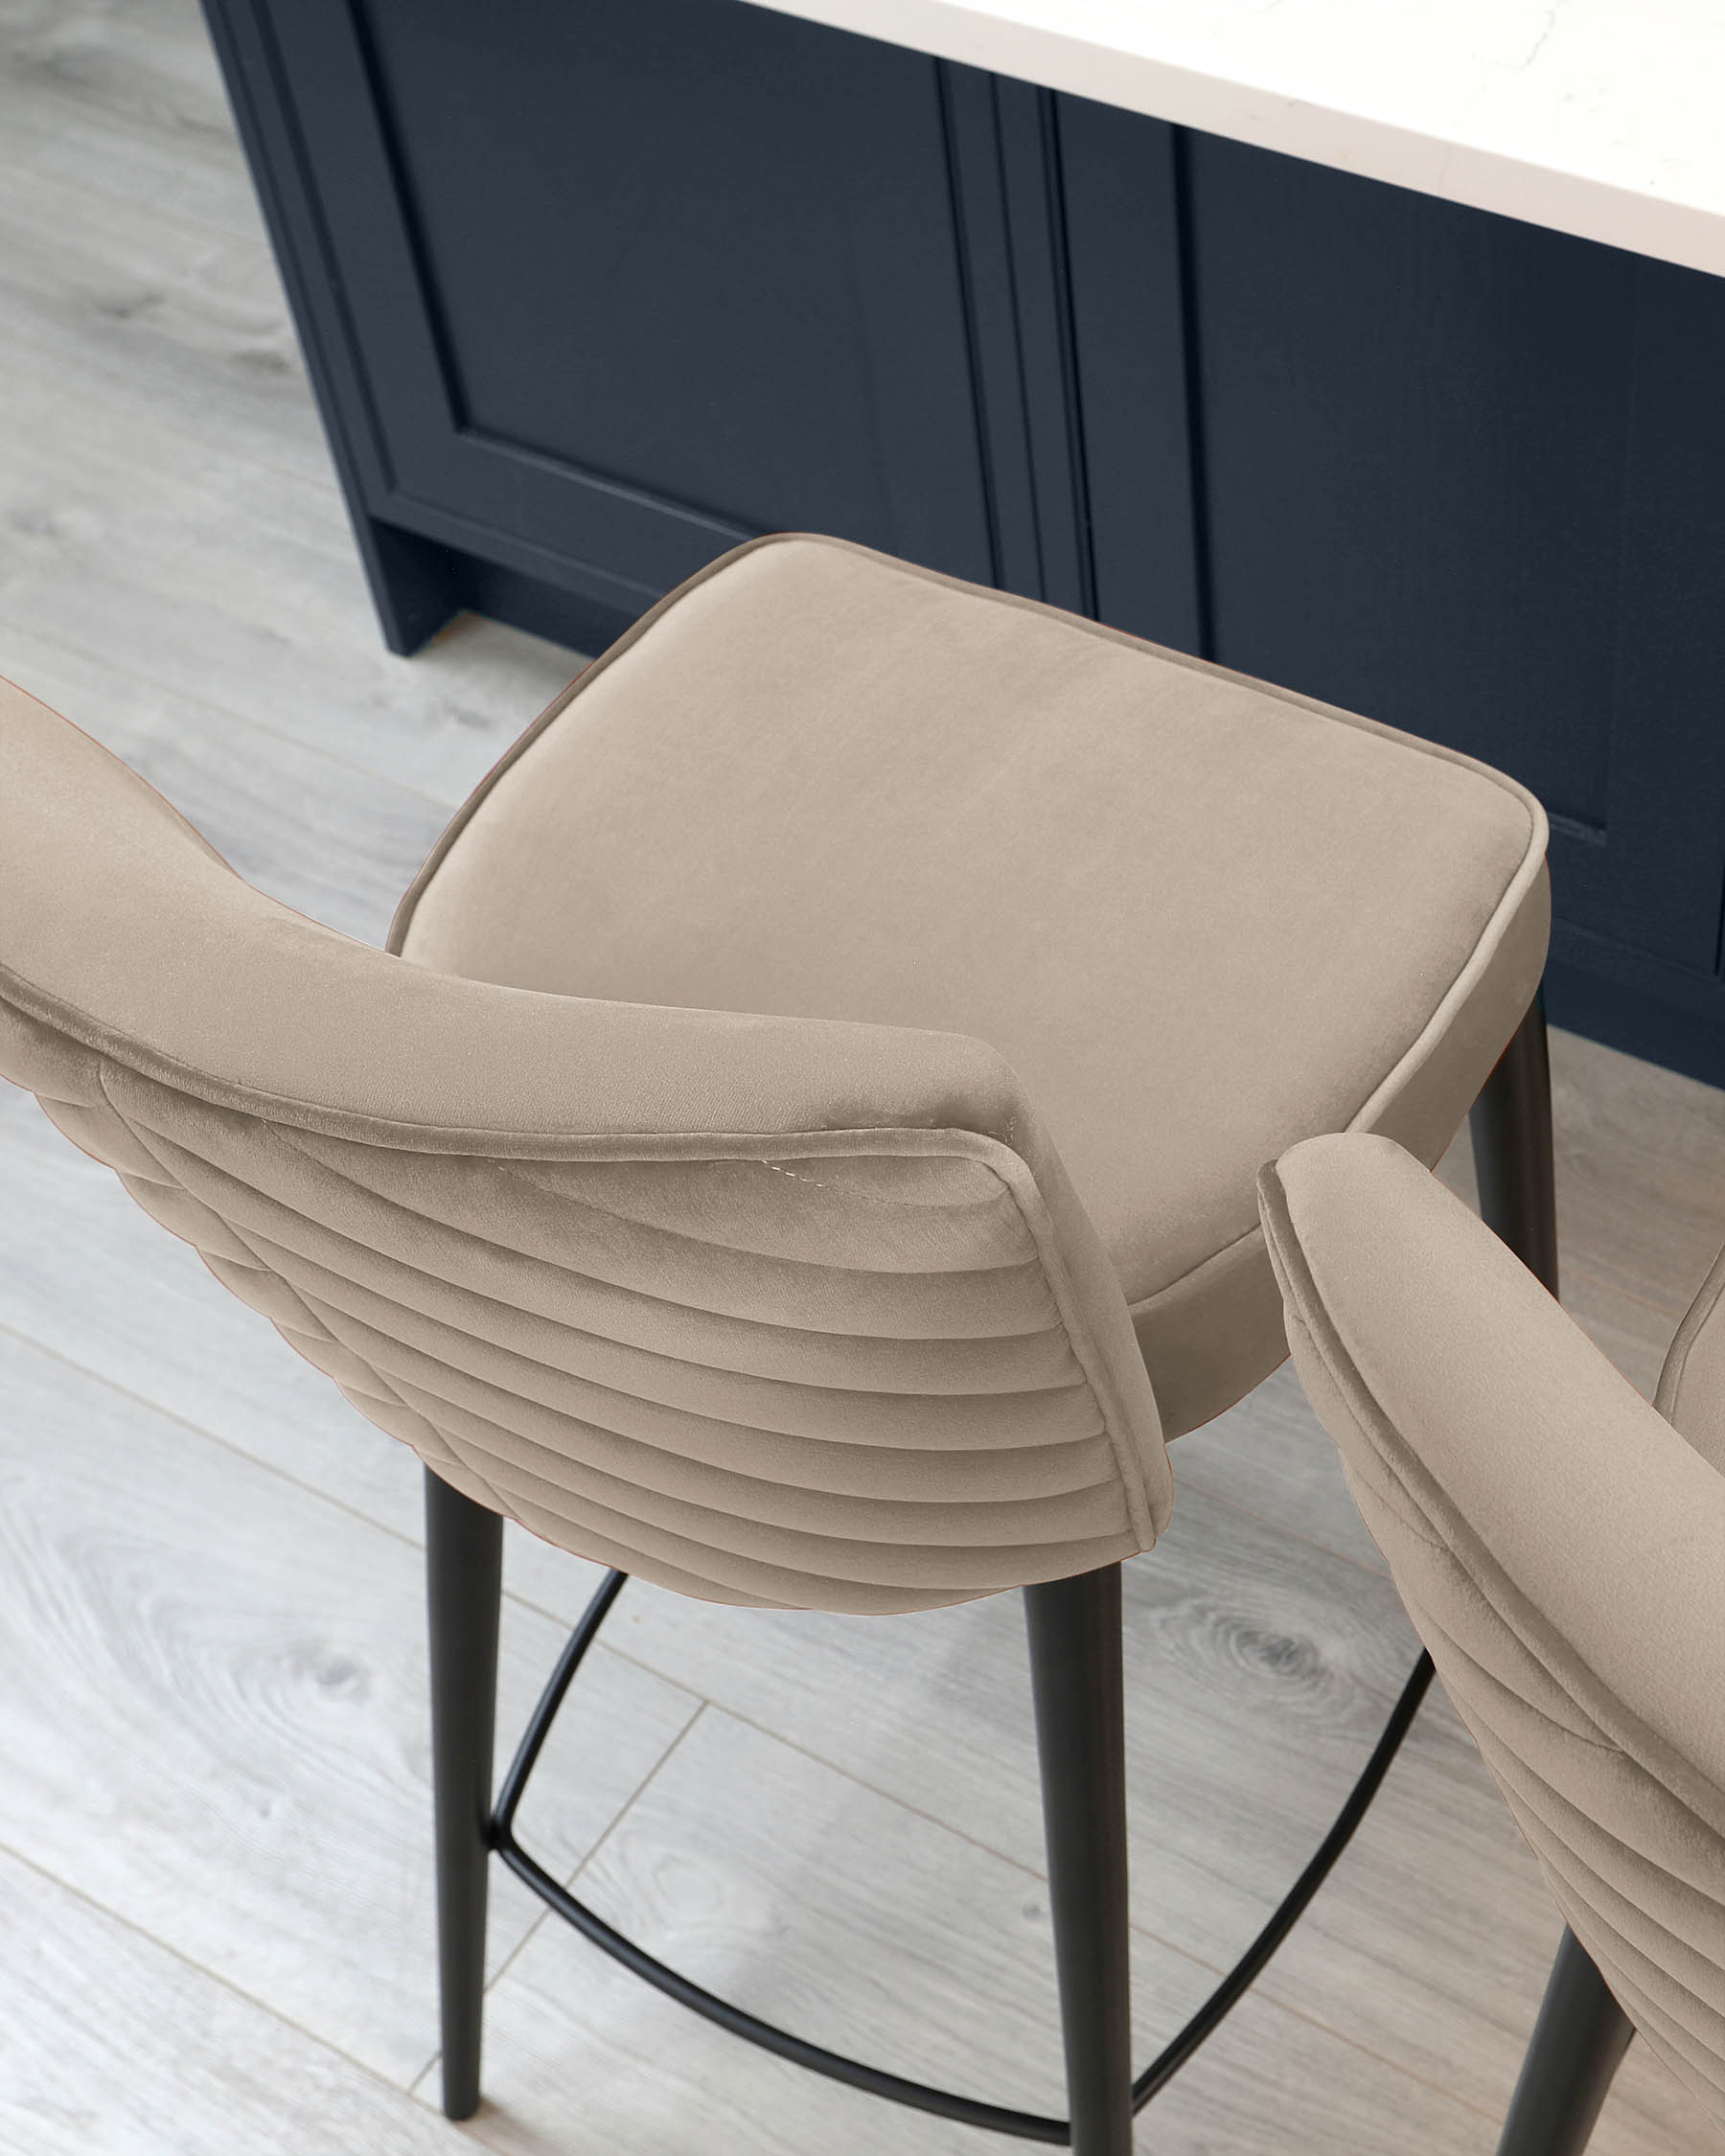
1578	2043
1076	1680
464	1585
1511	1125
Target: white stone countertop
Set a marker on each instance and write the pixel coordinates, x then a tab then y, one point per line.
1604	118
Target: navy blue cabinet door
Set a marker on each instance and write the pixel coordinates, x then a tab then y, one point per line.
591	290
1460	472
614	285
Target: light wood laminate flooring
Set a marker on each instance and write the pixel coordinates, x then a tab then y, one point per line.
215	1828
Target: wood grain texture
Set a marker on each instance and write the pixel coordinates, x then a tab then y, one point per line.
1641	1196
107	1291
157	409
109	527
113	2046
1641	1157
328	838
825	1904
214	1711
1273	1458
155	309
1259	1671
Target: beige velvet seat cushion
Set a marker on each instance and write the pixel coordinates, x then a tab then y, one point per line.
1198	917
1559	1547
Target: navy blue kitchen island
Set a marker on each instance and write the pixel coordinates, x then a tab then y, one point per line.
592	290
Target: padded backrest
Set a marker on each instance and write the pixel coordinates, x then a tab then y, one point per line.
767	1310
1559	1548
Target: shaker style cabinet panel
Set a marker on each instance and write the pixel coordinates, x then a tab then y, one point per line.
1120	180
1461	473
592	290
613	285
1439	448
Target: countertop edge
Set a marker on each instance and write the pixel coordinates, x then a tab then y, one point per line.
1561	199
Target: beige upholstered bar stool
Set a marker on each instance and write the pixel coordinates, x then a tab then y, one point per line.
803	1152
1560	1546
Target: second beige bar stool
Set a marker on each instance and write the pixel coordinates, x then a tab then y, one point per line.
803	1152
1560	1546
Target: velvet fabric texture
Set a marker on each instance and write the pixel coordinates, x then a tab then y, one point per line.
771	1311
1559	1547
645	1190
1200	917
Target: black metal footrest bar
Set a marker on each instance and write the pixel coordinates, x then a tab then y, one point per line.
1027	2125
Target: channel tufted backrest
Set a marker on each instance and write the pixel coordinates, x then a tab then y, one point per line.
767	1310
1559	1548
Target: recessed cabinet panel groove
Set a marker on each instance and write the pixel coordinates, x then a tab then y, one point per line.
648	276
590	290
